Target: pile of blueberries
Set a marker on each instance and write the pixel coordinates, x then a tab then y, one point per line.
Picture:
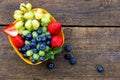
34	44
67	56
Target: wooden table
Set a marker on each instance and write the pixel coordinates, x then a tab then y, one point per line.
92	46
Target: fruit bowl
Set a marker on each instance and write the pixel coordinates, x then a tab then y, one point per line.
27	60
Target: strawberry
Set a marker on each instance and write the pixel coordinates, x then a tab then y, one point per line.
56	41
10	30
18	41
54	28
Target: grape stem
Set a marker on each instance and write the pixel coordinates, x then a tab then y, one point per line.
24	7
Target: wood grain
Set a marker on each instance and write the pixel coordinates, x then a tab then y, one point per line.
91	47
70	12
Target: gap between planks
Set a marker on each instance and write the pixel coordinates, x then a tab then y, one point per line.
76	25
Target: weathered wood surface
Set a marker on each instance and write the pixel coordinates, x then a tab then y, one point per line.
91	47
70	12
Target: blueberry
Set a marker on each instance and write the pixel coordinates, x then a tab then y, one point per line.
49	37
29	36
27	46
38	39
67	56
42	46
25	56
27	39
50	65
48	43
68	48
39	31
23	37
24	49
44	43
100	68
20	49
34	41
73	61
33	61
44	38
42	58
35	50
32	45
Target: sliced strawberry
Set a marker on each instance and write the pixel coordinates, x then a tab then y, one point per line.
10	30
18	41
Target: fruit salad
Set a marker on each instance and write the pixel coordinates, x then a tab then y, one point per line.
35	35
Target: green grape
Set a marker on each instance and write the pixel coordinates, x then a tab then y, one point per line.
42	35
18	12
27	42
19	25
28	25
40	11
34	34
47	15
25	32
38	15
29	53
41	53
23	7
35	24
44	29
29	6
47	48
36	56
38	46
29	15
18	17
21	30
45	20
47	33
44	24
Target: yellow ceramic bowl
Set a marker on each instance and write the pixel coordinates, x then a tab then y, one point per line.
20	54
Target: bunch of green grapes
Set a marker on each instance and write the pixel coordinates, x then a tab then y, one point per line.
29	20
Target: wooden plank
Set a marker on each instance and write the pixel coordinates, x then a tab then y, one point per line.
72	12
91	47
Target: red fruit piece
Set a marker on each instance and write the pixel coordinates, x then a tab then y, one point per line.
10	30
54	28
56	41
18	41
